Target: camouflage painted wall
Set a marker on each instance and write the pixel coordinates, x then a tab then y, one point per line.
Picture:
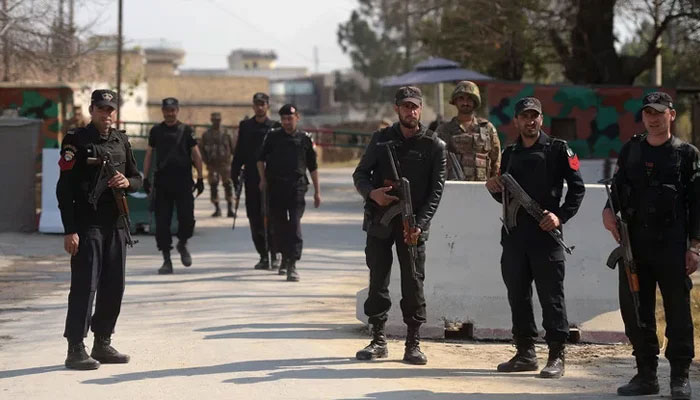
605	117
49	104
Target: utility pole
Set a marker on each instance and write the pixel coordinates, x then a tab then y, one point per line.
119	63
657	73
5	43
60	45
316	61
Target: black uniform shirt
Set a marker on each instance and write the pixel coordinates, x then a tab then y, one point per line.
78	178
173	146
422	159
287	156
658	182
541	170
251	135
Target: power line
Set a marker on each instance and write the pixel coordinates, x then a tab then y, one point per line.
259	29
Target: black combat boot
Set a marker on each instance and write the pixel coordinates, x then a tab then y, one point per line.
167	267
412	354
283	266
292	274
103	352
555	362
525	358
645	382
377	347
185	256
79	359
276	260
263	263
229	212
680	384
217	210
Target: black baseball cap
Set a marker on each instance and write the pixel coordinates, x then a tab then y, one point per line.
288	109
104	97
528	103
409	94
659	101
170	102
261	97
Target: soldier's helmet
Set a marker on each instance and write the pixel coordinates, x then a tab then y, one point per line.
469	88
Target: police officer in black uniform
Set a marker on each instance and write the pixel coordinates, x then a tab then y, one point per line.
540	164
657	187
422	159
176	150
251	133
93	238
285	156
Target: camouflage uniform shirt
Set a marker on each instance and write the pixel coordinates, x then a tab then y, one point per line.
477	148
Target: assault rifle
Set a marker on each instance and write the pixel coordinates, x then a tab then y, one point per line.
237	193
514	197
623	254
405	205
107	171
456	166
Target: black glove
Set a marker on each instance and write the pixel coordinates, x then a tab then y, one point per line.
147	185
199	186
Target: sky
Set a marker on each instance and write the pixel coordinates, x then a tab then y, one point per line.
207	30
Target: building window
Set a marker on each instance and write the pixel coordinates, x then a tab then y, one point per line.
564	128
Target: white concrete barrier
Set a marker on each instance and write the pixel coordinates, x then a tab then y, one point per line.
50	219
463	275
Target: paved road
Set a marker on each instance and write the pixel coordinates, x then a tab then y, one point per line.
221	330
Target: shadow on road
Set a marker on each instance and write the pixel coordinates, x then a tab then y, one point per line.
31	371
428	395
287	331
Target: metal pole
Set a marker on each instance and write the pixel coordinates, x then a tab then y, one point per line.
5	43
119	63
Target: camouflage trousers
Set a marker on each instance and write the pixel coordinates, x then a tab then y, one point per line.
220	172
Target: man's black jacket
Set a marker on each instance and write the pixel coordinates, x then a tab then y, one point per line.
422	160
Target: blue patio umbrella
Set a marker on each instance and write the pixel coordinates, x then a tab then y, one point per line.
437	71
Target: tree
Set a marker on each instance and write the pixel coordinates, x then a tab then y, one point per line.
583	36
39	38
490	36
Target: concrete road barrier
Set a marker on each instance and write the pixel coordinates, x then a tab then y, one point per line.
463	276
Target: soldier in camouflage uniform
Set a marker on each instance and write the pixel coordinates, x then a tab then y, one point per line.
471	139
217	150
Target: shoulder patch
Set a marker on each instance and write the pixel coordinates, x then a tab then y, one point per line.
67	159
70	132
572	158
638	136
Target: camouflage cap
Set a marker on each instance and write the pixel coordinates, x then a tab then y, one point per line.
409	94
528	103
469	88
659	101
104	97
